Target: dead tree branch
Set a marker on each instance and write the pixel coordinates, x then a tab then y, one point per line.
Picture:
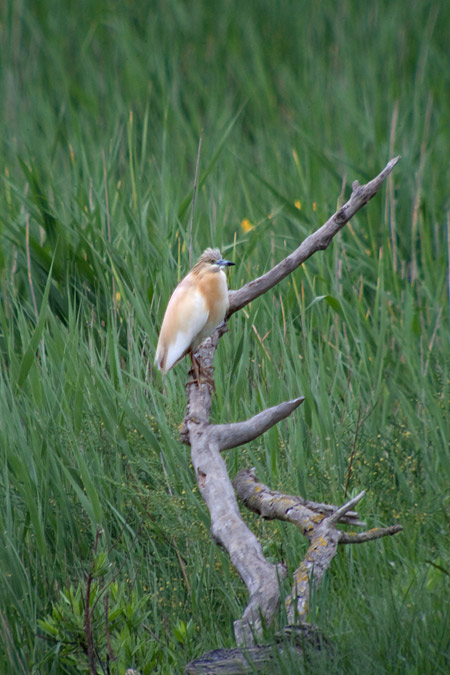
206	440
370	535
272	505
229	530
318	241
238	433
320	529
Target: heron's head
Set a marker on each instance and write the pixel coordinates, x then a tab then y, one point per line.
211	261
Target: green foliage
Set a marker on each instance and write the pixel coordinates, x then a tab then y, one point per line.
103	104
101	625
114	626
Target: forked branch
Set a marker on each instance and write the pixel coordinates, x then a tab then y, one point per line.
272	505
317	521
317	526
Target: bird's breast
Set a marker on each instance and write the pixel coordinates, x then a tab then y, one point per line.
215	291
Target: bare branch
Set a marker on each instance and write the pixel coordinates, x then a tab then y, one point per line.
318	241
227	527
342	510
321	531
231	435
199	395
321	551
272	505
370	535
229	530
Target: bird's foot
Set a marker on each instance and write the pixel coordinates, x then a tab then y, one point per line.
202	376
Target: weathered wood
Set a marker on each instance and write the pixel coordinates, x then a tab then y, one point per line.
232	661
317	526
294	638
207	441
227	527
317	241
271	504
238	433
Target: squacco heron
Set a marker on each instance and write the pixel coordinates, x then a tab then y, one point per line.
197	306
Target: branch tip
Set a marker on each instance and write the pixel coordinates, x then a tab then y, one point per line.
237	433
342	510
316	241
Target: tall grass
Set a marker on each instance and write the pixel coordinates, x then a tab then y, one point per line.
103	107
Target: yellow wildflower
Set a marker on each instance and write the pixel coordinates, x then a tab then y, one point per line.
246	225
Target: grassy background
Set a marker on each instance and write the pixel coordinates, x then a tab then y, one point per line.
103	103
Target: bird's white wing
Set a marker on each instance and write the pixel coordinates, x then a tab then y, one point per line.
185	317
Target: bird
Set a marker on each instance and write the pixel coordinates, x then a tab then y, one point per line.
196	308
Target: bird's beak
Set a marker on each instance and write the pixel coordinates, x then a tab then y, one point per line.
224	263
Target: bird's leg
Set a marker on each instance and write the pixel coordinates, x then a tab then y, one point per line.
195	370
200	375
